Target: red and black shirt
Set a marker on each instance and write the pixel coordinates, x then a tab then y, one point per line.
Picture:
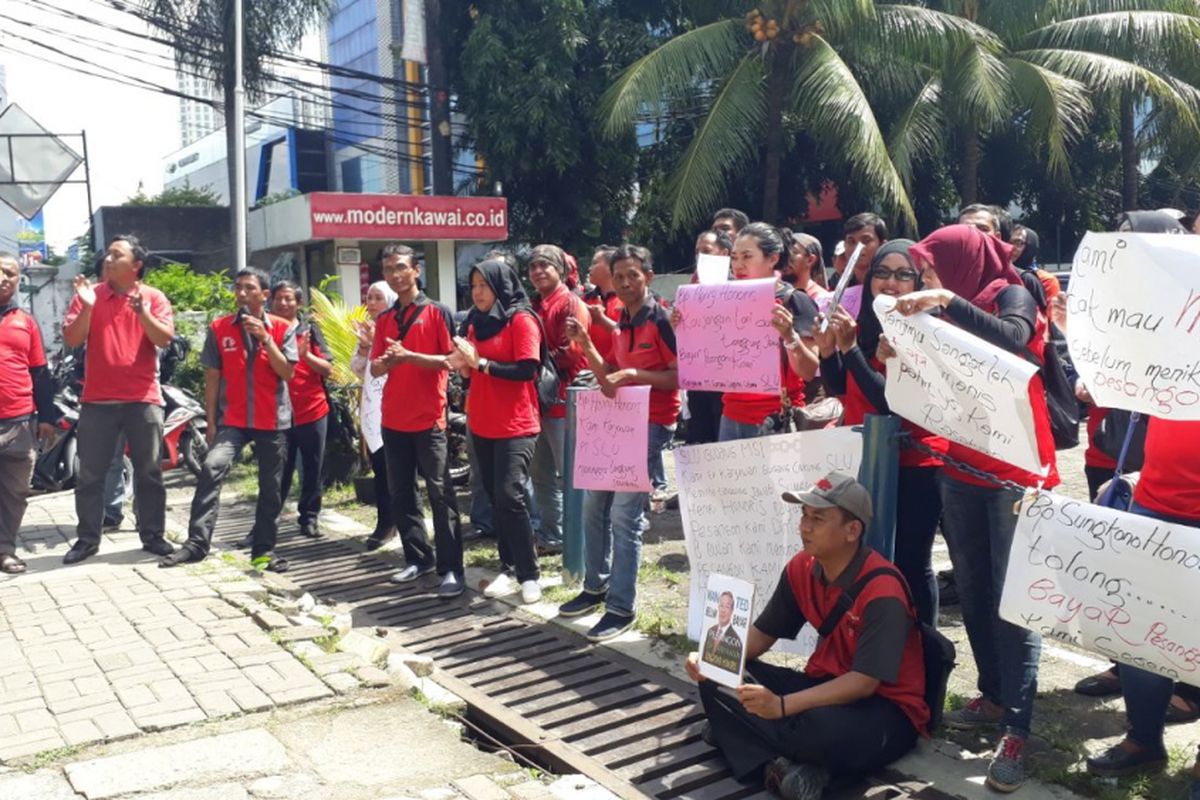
307	388
600	334
414	398
251	394
647	341
554	310
21	357
498	408
877	636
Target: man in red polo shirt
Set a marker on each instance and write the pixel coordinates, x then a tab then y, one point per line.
123	322
412	341
602	302
248	357
859	704
26	403
554	305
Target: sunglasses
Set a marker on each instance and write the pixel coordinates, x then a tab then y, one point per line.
901	275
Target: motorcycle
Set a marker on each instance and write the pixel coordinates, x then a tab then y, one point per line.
57	465
184	418
457	459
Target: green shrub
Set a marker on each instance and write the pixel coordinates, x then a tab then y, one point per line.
192	291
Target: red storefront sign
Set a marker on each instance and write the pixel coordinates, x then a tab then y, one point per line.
413	217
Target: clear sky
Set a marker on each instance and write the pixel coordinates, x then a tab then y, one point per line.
129	130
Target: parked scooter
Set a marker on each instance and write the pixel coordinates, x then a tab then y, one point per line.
184	422
57	465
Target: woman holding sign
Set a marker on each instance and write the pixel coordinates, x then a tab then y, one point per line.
969	277
853	372
758	252
642	354
501	354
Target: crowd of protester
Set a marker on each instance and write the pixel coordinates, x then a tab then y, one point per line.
859	702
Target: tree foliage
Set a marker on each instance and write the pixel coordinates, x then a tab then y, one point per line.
178	197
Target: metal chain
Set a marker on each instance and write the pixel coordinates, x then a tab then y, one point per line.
906	440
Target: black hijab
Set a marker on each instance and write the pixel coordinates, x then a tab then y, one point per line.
510	299
1030	253
1150	222
869	329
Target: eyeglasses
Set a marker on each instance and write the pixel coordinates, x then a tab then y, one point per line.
902	275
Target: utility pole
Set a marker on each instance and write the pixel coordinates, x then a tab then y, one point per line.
238	190
439	101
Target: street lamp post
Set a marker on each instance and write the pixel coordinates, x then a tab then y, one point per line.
238	190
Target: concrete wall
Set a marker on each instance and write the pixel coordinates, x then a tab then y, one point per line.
197	236
45	293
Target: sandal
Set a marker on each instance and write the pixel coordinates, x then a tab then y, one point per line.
11	565
1177	715
1102	684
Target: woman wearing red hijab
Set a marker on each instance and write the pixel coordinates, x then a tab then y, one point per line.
968	276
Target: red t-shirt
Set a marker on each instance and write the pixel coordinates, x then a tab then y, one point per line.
648	342
414	398
251	394
855	408
601	334
121	365
1094	456
752	408
554	311
835	654
306	388
20	351
1041	427
1170	479
498	408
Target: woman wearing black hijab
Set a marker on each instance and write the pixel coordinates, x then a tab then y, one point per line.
500	351
853	372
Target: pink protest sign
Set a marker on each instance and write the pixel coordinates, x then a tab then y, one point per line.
612	437
724	339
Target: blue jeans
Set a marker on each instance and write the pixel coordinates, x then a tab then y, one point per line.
482	516
978	523
612	531
546	472
730	431
1148	695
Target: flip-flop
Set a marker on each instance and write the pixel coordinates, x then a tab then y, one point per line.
1177	715
11	565
1103	684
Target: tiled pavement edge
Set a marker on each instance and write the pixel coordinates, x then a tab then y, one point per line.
116	646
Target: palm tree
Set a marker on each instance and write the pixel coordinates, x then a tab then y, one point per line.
1060	57
800	59
202	32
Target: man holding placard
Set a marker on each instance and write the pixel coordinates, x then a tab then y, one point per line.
643	354
860	702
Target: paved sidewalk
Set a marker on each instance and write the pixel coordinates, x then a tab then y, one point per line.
117	646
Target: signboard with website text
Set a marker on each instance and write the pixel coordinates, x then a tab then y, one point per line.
408	217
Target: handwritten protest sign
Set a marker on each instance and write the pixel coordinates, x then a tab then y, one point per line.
611	440
734	521
1133	322
724	340
1115	583
956	385
712	269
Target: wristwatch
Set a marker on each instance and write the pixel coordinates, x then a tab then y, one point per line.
483	365
794	343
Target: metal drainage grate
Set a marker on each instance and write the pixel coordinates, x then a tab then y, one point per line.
543	691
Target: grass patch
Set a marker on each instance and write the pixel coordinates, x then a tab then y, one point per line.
558	594
482	555
653	620
327	643
654	571
47	757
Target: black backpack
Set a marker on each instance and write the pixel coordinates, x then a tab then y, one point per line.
1060	392
937	651
548	379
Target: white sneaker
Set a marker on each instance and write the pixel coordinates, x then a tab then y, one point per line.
531	592
411	573
500	587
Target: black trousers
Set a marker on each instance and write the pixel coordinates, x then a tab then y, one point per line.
918	512
504	464
1096	477
704	417
307	442
100	425
383	498
852	739
424	453
270	448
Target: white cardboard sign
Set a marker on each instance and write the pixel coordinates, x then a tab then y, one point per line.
956	385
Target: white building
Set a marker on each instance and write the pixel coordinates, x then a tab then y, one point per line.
197	119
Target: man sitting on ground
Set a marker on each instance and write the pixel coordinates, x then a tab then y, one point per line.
859	704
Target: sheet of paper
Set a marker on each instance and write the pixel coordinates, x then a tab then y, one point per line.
612	440
725	341
712	269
